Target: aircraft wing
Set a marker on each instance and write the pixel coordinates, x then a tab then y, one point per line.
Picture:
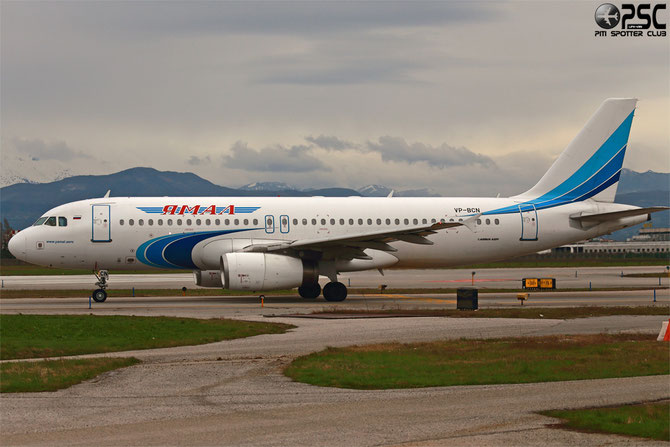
352	245
604	217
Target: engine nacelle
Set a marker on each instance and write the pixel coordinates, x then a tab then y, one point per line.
264	271
207	278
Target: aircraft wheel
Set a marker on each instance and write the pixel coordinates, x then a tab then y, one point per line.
335	291
99	296
310	291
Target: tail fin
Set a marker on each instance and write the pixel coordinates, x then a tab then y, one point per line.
591	164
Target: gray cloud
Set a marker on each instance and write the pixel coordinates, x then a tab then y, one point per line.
272	159
330	142
354	72
194	160
39	149
267	17
396	149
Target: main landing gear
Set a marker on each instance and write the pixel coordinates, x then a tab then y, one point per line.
333	291
310	291
100	295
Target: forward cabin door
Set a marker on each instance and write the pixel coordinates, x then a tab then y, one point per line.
101	224
528	222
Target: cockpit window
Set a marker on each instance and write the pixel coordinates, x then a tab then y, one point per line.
62	221
40	221
51	221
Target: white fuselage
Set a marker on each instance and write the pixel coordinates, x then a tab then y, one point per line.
117	233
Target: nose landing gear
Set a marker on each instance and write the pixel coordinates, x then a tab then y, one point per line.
100	295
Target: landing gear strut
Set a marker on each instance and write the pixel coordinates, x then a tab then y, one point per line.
310	291
100	295
334	291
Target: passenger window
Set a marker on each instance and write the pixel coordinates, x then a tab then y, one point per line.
360	221
198	222
62	221
304	221
341	221
424	221
323	221
169	222
140	222
313	221
246	221
51	222
388	221
179	222
332	221
227	221
479	221
131	222
40	221
255	221
120	221
415	221
369	221
160	221
497	222
433	221
397	221
189	222
488	221
237	221
151	222
295	221
379	221
406	221
218	221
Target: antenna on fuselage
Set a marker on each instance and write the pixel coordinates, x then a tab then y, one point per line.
107	194
390	195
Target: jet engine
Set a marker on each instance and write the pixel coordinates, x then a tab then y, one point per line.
264	271
207	278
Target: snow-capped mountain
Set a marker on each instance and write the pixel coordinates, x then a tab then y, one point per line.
268	186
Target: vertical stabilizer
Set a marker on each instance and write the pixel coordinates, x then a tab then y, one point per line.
591	164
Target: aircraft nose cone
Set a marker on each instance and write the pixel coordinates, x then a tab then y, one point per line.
17	245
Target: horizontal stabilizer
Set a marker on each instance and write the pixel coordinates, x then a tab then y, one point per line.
605	217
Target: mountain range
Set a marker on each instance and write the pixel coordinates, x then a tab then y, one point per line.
22	203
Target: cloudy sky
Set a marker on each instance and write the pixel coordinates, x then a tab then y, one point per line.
462	98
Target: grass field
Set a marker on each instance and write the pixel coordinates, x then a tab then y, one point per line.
480	362
51	375
10	267
32	336
562	313
649	420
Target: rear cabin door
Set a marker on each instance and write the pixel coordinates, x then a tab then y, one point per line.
102	231
528	222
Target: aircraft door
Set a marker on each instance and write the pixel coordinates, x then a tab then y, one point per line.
269	224
529	224
283	223
101	223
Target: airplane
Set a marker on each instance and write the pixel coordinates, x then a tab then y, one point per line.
269	243
608	15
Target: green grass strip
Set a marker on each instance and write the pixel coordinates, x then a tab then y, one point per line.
31	336
481	362
561	313
51	375
650	420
